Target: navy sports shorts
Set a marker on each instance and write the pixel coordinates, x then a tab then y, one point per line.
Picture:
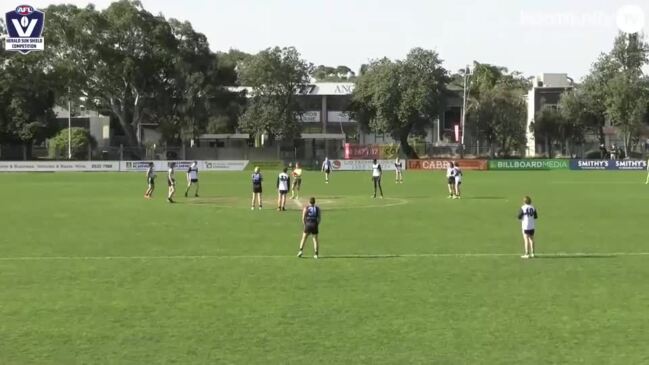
311	228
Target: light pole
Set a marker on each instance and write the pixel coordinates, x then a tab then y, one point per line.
69	125
465	94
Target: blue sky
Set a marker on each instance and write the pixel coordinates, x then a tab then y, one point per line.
526	35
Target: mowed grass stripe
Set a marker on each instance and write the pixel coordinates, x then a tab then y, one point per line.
343	256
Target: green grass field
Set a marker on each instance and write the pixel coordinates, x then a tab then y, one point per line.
91	273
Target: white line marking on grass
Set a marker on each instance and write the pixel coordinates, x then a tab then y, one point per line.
609	182
298	203
341	256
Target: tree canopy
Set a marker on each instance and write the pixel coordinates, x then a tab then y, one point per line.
275	76
142	67
402	97
496	110
324	73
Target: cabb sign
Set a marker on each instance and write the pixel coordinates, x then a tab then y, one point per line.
444	164
25	27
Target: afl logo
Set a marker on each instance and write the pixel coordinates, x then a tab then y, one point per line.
24	10
24	29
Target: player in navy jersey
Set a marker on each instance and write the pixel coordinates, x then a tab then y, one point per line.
398	168
311	216
257	180
528	216
192	178
457	174
150	180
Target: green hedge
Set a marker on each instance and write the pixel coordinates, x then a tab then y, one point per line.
265	165
81	141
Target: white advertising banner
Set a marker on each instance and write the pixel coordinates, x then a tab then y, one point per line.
139	166
158	165
338	117
224	165
52	166
364	165
310	116
216	165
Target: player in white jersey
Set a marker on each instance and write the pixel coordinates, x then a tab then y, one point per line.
457	173
528	217
450	177
398	168
150	180
647	182
377	172
283	184
171	182
192	178
326	168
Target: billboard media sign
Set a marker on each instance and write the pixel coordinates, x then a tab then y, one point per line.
529	164
25	26
625	165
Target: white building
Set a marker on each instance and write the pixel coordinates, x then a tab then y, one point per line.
546	90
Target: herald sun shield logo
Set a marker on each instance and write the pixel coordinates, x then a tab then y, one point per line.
24	27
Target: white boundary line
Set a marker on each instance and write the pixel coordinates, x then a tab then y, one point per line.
352	256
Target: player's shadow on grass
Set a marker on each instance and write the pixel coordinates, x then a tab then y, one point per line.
573	256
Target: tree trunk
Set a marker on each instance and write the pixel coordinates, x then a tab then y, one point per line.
602	137
131	137
406	148
504	147
126	121
627	141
